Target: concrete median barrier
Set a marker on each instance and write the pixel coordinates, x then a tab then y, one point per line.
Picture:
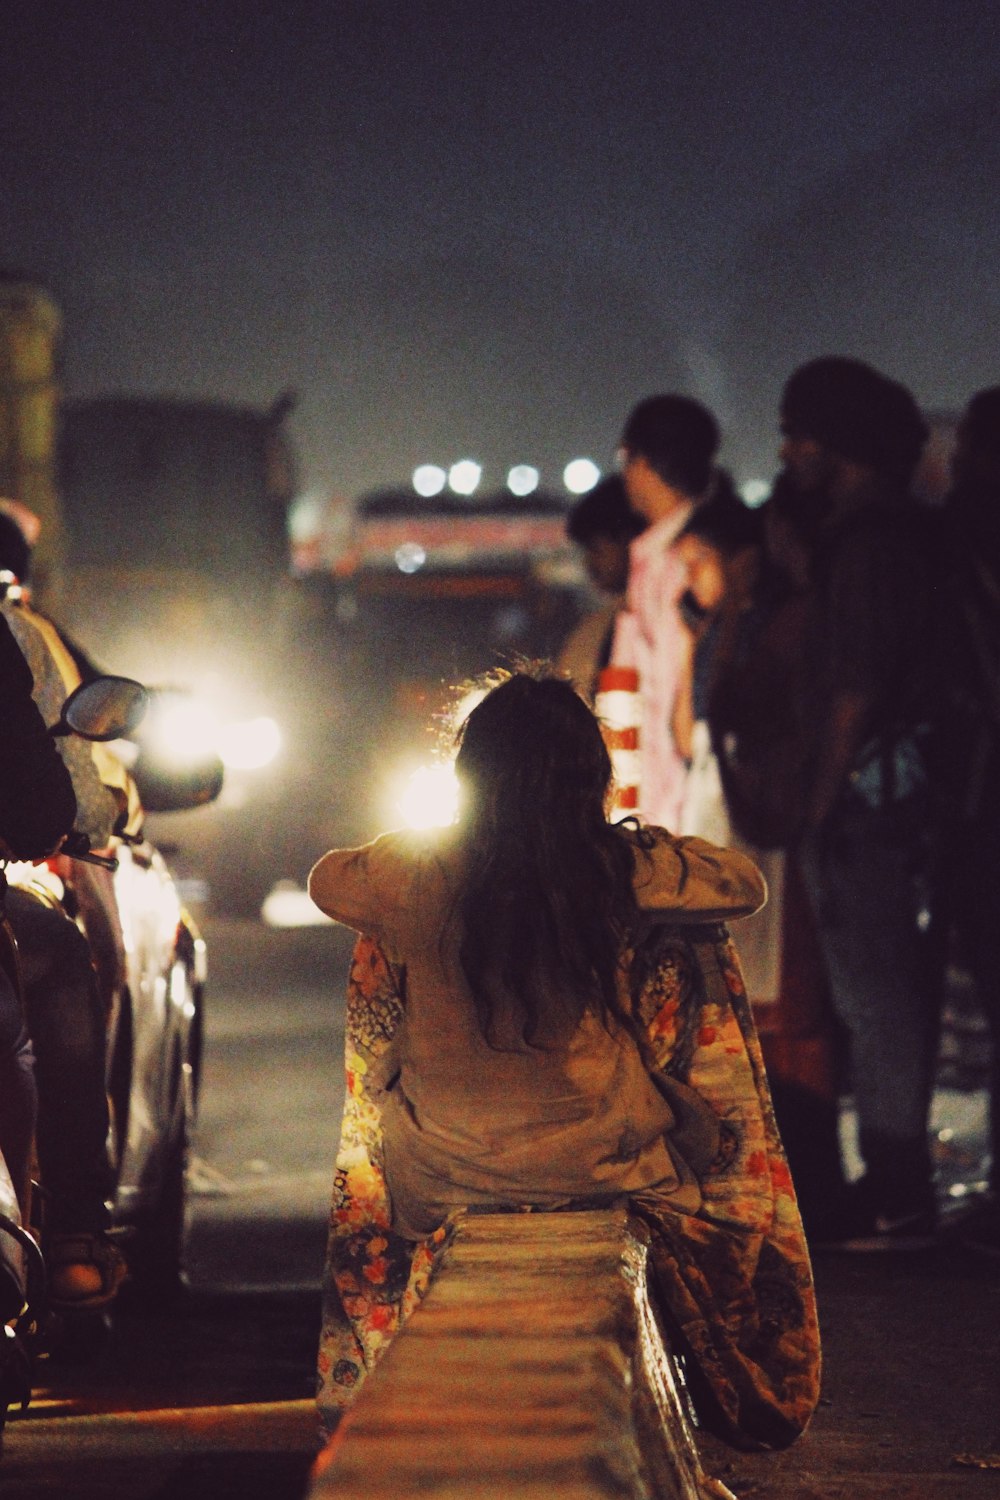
535	1367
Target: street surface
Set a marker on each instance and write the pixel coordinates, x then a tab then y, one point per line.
211	1399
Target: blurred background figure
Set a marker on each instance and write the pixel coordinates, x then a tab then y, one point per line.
739	721
968	781
851	441
720	550
667	452
602	524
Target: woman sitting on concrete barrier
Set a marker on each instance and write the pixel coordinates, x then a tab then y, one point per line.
527	1029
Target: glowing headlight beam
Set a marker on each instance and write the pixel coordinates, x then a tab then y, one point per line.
429	798
249	746
184	730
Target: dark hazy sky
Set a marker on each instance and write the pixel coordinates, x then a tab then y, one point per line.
461	229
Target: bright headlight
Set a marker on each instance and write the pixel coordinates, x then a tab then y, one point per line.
249	746
428	797
183	730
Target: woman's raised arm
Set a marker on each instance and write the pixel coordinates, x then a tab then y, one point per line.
690	880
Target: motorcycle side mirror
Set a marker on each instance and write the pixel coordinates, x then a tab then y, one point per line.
109	708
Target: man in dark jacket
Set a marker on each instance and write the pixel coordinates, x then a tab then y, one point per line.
37	808
852	439
37	805
969	762
63	1012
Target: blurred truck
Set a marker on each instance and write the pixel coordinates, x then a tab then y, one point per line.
30	323
177	573
419	594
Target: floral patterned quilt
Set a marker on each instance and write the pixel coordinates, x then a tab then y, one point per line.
733	1282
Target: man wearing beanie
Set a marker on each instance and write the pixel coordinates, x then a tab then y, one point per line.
852	439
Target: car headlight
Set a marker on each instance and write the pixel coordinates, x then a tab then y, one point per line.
181	730
427	797
250	745
184	730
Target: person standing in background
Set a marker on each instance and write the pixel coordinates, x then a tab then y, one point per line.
739	721
968	759
851	441
603	524
667	453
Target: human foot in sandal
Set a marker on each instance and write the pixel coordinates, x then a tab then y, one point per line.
85	1271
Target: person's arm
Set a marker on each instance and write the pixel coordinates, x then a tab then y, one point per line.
689	880
37	804
340	886
844	731
682	718
363	888
868	609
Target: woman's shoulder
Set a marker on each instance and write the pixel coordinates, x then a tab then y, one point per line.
417	846
647	839
392	859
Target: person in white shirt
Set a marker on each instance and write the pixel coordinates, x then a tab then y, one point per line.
667	453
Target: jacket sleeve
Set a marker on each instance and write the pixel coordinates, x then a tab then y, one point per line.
365	888
689	880
37	803
97	807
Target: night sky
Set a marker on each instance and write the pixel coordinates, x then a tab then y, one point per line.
469	230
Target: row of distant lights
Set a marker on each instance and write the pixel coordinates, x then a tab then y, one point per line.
463	478
579	476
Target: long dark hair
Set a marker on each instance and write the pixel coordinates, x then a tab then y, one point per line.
546	904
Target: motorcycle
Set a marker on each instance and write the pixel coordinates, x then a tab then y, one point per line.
22	1269
154	1042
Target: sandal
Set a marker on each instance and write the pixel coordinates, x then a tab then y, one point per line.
85	1272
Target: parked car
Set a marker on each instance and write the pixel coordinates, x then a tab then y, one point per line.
154	1065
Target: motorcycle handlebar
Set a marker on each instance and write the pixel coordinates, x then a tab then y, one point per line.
77	846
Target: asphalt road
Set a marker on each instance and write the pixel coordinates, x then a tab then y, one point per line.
212	1398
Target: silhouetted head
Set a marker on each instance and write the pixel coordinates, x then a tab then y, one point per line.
677	437
716	537
726	523
838	408
603	511
603	524
975	465
531	754
977	447
545	901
